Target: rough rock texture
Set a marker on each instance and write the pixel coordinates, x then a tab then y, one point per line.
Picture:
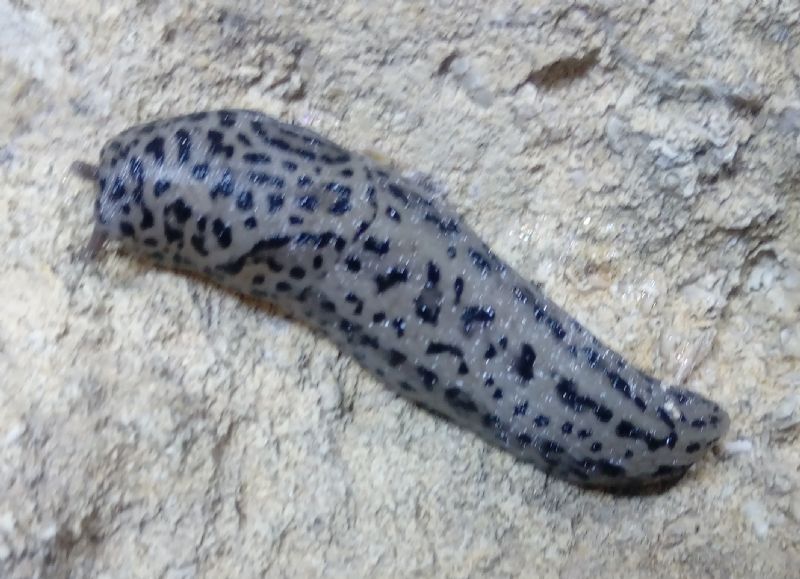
639	159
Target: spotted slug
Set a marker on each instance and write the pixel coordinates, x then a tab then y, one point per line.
402	284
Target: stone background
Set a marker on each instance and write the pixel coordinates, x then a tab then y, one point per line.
638	158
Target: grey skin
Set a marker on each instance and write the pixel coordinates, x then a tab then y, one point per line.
280	213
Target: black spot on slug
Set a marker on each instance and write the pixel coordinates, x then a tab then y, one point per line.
347	326
567	392
442	348
626	429
362	227
200	171
340	206
147	219
399	325
256	158
184	141
621	385
353	263
156	148
307	202
217	144
342	203
433	274
444	225
352	298
398	192
476	315
160	187
275	201
429	378
274	242
226	118
396	358
459	400
126	229
180	210
118	190
665	418
392	277
480	260
604	467
199	244
224	186
375	246
370	341
173	234
458	288
245	201
427	305
548	448
222	232
261	178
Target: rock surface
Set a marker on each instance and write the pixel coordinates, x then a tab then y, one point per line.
639	159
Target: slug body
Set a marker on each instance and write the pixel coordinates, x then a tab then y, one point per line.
280	213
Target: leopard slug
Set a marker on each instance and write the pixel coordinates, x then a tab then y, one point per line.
402	284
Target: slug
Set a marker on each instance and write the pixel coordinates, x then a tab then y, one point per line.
400	283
